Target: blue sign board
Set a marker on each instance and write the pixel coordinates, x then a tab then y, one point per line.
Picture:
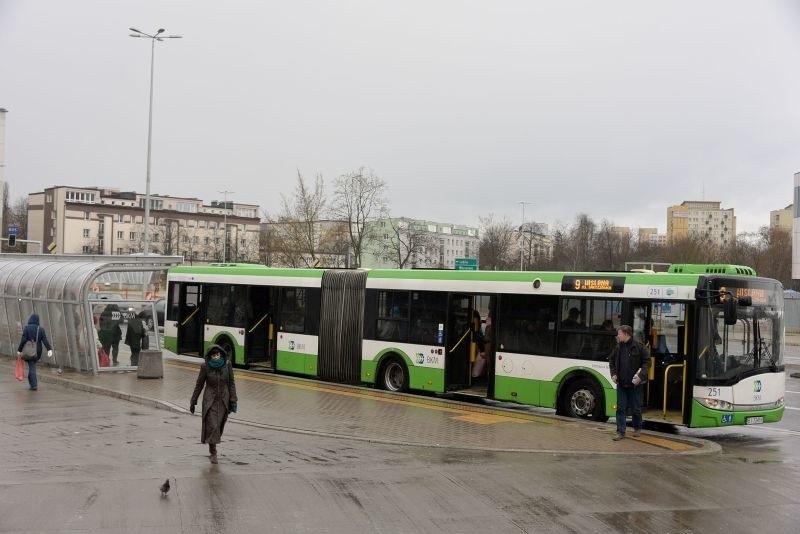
13	229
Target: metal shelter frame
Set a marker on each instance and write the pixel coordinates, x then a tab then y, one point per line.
57	288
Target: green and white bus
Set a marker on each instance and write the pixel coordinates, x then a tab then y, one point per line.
715	332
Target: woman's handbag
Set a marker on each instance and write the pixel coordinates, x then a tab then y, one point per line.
19	370
103	357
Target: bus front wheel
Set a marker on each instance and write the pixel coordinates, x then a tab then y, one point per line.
583	398
394	375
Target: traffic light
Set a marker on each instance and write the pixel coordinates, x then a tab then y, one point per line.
12	240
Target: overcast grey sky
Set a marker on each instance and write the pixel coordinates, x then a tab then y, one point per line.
616	109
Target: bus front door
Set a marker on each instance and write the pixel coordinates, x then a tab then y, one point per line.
190	321
660	326
458	342
259	343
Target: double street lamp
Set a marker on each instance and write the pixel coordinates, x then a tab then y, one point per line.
153	38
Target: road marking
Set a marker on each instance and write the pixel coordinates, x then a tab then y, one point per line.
665	443
487	419
790	408
790	391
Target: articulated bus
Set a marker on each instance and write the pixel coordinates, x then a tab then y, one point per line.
715	333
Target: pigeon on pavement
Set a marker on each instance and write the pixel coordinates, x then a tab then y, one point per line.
164	488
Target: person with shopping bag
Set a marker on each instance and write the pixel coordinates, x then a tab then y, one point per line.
33	337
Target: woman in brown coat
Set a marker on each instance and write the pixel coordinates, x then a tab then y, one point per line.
219	399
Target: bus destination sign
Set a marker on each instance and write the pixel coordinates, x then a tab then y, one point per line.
593	284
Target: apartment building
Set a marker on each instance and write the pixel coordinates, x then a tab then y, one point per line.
95	220
701	218
782	219
652	237
425	244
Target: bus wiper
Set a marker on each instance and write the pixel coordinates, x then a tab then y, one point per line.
773	366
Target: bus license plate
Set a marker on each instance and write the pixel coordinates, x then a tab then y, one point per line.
753	420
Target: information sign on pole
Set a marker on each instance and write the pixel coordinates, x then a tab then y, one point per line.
466	264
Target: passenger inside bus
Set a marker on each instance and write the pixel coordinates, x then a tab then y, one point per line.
571	341
604	341
393	328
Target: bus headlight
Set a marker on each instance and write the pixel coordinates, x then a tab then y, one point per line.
715	404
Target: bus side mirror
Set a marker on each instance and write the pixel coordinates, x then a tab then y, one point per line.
729	307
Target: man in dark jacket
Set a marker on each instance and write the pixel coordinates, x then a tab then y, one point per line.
629	364
36	334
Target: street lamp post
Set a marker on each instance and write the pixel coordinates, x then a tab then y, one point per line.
225	223
521	230
153	38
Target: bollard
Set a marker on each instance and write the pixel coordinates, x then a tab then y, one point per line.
151	364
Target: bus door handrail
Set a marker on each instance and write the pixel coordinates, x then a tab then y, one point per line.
190	316
666	376
258	323
459	341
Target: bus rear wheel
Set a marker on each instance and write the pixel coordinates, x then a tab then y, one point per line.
583	398
394	375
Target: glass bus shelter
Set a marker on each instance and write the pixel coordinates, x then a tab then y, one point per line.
84	303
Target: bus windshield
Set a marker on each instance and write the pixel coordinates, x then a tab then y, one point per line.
754	344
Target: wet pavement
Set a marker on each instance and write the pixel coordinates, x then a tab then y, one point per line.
92	461
308	406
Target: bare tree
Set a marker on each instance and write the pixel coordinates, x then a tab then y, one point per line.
359	197
17	214
612	248
694	249
496	248
334	245
295	234
171	237
408	241
768	251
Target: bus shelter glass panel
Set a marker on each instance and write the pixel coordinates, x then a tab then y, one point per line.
12	279
68	282
43	282
31	278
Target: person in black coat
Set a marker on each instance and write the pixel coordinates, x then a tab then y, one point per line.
629	364
135	334
34	332
219	399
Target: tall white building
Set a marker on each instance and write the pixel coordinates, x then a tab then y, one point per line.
701	218
92	220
